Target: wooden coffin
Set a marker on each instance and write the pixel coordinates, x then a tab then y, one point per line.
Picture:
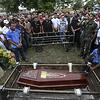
49	79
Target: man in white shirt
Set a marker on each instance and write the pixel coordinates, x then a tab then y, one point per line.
98	38
55	22
97	21
62	25
2	39
5	30
1	35
6	27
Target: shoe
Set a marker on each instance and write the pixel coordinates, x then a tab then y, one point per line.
86	72
17	63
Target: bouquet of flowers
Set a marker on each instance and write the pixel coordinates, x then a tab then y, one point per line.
7	58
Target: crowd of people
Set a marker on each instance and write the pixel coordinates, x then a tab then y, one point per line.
16	30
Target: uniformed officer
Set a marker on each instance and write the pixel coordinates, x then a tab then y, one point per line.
89	35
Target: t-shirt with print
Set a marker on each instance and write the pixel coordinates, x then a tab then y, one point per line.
62	25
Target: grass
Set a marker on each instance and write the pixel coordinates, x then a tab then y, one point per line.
54	54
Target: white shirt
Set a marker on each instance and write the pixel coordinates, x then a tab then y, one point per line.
55	22
63	25
64	20
5	30
98	23
1	35
98	35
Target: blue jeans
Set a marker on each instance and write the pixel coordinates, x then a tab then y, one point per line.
18	52
62	37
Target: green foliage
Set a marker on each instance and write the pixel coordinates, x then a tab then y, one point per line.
47	6
77	4
29	4
44	1
91	3
10	5
44	5
98	2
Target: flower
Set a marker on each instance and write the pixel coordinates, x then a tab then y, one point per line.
12	61
1	52
7	56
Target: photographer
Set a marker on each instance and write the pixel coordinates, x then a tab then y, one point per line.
94	58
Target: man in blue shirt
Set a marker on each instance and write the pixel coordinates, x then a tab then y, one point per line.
14	38
25	35
62	25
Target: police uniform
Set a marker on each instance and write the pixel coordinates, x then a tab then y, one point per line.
89	31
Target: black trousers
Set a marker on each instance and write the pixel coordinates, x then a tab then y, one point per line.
77	39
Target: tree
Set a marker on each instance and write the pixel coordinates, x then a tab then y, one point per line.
77	4
10	5
29	4
46	5
90	3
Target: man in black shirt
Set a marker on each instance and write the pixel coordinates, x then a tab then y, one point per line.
36	25
47	25
76	29
36	28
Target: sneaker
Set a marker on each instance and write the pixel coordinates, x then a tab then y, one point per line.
17	63
86	72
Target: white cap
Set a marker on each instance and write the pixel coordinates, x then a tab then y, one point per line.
6	22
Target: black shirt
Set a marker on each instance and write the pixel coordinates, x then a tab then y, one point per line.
74	24
47	25
36	26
